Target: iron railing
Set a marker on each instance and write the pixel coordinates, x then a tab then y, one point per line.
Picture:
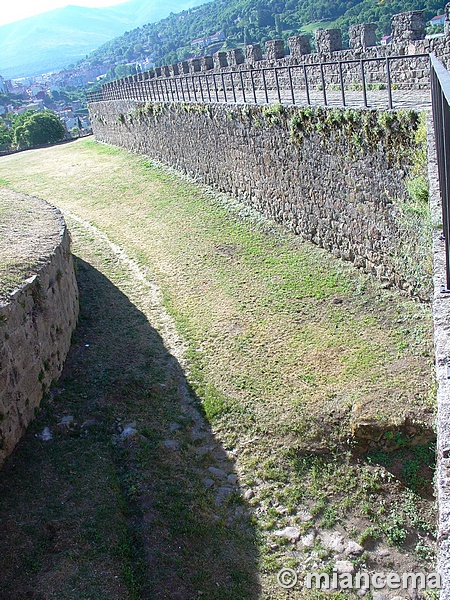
324	83
440	101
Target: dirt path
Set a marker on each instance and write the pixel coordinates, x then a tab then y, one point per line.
212	383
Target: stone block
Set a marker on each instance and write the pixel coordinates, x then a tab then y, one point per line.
362	36
328	40
194	65
166	71
206	63
299	45
220	60
183	67
253	53
274	49
408	26
174	70
235	57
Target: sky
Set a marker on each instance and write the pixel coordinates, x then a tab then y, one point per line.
14	10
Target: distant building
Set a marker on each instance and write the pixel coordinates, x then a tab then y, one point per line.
2	85
439	20
203	42
385	40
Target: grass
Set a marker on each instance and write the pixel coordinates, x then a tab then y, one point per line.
285	348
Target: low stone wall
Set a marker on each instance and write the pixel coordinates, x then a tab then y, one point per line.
301	167
36	325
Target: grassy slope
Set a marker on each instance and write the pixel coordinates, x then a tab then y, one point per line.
283	343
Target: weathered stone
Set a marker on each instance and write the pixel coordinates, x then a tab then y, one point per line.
194	65
235	57
353	549
253	53
171	445
408	26
220	60
206	63
183	67
299	45
217	472
332	540
291	533
328	40
274	49
362	36
344	566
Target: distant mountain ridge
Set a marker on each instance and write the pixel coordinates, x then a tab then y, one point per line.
54	39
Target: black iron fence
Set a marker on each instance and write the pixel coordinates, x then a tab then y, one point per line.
368	82
440	99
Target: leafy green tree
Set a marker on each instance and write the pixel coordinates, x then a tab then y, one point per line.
6	136
38	129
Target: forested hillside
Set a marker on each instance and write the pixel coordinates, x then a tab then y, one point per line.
249	21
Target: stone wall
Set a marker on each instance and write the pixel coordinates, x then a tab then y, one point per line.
36	325
313	183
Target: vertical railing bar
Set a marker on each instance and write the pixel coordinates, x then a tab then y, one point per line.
389	85
201	87
275	70
232	86
363	81
182	89
322	77
253	86
224	88
308	100
265	85
207	87
341	79
289	69
188	89
215	87
194	88
176	89
242	85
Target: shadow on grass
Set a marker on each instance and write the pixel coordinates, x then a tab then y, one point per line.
134	497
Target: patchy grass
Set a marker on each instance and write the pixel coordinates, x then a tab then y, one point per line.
285	345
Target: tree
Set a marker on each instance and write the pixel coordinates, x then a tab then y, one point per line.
6	136
38	129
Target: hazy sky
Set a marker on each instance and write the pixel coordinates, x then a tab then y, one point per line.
14	10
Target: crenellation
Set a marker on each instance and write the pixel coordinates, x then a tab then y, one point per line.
408	26
206	63
253	54
194	65
299	45
274	50
220	60
328	40
235	57
362	36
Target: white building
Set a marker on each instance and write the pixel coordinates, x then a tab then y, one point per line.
2	85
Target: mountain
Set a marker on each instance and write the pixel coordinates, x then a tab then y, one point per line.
247	22
54	39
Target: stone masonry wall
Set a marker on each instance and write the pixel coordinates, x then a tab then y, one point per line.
314	186
35	331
